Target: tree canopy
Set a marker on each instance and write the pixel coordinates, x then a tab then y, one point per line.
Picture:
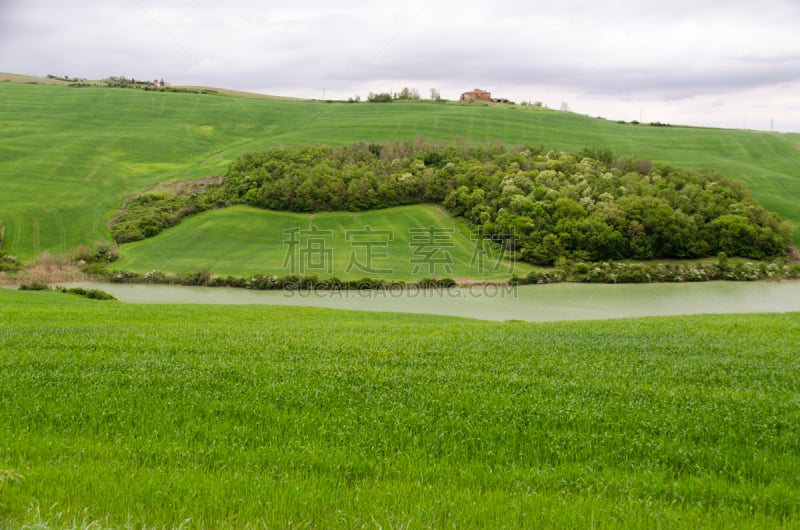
544	204
550	204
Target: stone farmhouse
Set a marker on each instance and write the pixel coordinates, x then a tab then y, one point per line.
476	95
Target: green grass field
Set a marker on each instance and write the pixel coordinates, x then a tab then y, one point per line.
124	415
69	156
242	241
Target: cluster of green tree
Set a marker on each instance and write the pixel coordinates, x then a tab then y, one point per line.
122	81
150	213
406	94
380	97
545	204
353	178
180	90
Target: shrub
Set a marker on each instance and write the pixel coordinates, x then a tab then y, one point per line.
34	287
9	263
92	294
382	97
97	294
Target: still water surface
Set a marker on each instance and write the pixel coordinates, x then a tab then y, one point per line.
565	301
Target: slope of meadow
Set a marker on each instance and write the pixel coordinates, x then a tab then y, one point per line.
243	240
69	156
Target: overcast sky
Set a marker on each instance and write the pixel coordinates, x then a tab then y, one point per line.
727	63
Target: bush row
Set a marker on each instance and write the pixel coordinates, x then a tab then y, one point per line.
93	294
583	272
616	272
263	282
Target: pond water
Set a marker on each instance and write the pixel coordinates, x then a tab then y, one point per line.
565	301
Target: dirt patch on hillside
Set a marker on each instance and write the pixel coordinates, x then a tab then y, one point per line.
185	187
46	269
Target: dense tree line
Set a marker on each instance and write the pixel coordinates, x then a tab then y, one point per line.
353	178
587	206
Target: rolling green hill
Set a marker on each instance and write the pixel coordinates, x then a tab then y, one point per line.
242	241
69	156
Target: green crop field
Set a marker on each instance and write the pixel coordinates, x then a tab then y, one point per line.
202	416
383	244
69	156
122	415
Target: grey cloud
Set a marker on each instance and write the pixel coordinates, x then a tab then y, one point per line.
672	50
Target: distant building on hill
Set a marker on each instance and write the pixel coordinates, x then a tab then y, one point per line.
476	95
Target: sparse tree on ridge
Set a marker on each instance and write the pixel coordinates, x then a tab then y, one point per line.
408	93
